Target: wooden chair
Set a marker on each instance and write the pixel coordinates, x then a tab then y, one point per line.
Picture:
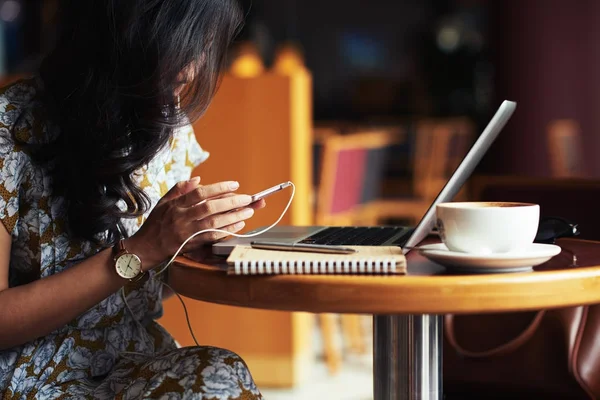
246	62
565	148
439	147
288	58
350	174
269	140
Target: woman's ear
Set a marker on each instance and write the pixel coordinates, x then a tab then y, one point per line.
186	76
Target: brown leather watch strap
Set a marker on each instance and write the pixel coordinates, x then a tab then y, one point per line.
118	249
138	277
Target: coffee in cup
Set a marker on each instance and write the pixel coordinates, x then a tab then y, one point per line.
487	227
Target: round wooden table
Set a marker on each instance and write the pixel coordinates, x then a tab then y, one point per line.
407	309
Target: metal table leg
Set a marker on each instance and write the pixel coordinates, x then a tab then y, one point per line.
407	357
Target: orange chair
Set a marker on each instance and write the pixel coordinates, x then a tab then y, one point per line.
268	141
288	58
246	62
565	147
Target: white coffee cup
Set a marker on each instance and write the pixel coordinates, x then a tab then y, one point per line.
487	227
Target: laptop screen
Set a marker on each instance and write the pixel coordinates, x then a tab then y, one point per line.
462	172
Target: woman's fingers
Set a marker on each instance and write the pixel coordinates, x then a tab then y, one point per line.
257	205
210	237
218	221
189	208
230	222
204	192
222	205
181	189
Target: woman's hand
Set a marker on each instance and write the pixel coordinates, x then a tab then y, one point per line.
186	209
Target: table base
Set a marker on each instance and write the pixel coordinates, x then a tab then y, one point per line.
407	357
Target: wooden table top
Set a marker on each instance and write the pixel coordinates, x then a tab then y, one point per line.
570	278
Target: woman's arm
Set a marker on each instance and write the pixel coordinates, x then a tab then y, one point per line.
38	308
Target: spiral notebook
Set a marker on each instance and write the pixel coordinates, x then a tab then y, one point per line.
245	260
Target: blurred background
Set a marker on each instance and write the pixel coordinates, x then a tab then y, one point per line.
390	61
399	90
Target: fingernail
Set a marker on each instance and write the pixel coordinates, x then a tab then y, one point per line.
234	185
239	225
247	213
245	199
194	180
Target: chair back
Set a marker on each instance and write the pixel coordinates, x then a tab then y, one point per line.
565	147
351	171
439	147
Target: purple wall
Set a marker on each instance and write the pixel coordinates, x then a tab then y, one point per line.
547	58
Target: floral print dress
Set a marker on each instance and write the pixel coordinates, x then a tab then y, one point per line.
115	350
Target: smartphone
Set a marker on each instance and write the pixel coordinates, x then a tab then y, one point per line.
270	191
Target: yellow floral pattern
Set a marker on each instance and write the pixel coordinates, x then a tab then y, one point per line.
108	352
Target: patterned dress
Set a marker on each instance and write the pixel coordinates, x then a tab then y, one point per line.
110	351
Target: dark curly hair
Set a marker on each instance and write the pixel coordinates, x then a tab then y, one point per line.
109	85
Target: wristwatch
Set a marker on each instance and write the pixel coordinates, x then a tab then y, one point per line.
127	265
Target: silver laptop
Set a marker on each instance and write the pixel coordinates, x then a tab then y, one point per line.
403	236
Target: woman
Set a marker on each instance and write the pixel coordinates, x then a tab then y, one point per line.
95	160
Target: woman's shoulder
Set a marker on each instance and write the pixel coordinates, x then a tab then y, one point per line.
22	125
186	144
23	119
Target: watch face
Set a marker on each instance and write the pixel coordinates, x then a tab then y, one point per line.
128	265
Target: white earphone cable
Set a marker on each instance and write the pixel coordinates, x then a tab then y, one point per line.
168	264
230	233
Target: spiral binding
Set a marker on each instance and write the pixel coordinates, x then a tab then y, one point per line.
300	267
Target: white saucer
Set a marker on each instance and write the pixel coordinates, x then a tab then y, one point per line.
501	262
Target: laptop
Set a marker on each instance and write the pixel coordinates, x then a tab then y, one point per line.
404	236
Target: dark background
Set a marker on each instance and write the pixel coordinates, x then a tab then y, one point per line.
389	60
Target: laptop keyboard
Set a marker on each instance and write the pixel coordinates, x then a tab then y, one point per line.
355	236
